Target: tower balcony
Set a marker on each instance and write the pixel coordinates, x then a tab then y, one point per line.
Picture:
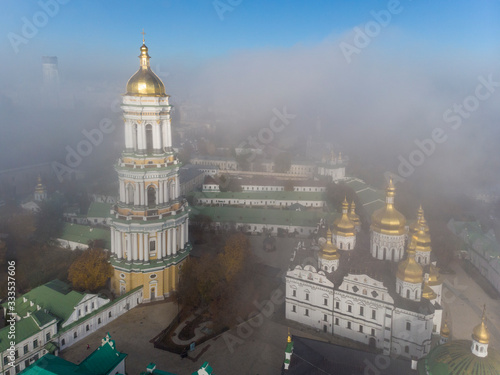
123	211
147	163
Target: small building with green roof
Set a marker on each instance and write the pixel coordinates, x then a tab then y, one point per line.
106	359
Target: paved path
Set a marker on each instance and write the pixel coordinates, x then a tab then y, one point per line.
463	301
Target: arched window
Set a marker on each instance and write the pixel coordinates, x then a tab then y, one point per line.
349	246
341	245
151	196
63	342
149	139
75	335
408	293
416	294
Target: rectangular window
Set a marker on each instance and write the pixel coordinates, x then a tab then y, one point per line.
294	293
361	310
294	309
374	314
325	301
307	296
25	349
373	332
35	343
26	363
47	336
337	305
336	321
325	318
360	328
92	306
5	360
307	312
86	309
349	308
348	325
408	326
18	370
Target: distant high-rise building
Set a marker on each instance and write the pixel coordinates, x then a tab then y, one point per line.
50	81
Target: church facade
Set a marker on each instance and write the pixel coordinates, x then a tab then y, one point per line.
149	229
382	296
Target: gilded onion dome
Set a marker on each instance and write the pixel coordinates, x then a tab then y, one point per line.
408	269
343	226
445	330
387	220
353	216
144	82
422	238
428	293
329	251
414	227
480	332
434	276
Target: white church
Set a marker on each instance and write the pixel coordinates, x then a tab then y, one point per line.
387	296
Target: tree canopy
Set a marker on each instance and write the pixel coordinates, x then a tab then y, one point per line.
91	270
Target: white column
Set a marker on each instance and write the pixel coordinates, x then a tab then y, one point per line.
156	137
119	244
144	248
182	236
159	245
186	232
141	193
134	246
169	242
122	191
129	247
165	244
174	240
129	143
136	194
157	196
169	132
164	132
165	191
160	192
141	246
113	249
177	188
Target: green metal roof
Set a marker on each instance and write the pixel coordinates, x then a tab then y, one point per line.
49	364
25	328
54	296
264	195
102	360
251	215
99	209
84	234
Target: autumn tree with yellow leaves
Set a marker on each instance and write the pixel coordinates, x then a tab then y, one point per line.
91	270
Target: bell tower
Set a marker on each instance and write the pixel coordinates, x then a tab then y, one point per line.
149	230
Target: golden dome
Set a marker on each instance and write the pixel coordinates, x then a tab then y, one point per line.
388	220
353	216
414	227
144	82
428	293
445	330
480	332
422	238
408	269
329	251
343	226
434	276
